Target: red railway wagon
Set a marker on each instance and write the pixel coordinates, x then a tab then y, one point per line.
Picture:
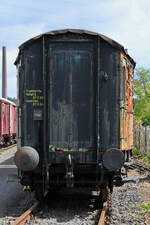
7	122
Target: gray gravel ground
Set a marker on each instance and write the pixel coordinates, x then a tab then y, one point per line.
126	206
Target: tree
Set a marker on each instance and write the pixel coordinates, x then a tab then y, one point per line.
12	99
142	95
142	83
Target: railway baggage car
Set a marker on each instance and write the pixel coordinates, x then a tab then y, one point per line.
7	122
75	92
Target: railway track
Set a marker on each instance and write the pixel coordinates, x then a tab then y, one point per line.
105	216
26	217
29	216
105	213
140	167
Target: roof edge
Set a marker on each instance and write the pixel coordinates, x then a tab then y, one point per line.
7	101
74	31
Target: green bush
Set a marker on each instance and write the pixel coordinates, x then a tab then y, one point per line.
136	151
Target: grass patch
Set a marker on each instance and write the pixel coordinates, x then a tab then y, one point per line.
133	206
0	153
136	151
144	156
146	207
135	216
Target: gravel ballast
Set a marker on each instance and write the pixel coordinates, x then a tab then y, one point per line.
126	206
79	209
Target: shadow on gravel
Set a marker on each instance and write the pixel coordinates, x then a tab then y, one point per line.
64	207
15	206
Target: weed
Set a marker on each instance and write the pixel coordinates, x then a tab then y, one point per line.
133	205
146	207
147	157
136	151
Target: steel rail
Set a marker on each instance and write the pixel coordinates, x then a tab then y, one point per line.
103	214
27	216
139	166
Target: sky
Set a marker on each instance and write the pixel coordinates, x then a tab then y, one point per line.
125	21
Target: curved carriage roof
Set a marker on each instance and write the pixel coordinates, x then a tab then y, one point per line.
7	101
76	31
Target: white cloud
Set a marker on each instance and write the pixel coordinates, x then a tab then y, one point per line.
12	86
12	37
129	25
11	57
11	72
126	21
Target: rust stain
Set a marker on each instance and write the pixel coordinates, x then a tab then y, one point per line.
70	74
62	114
26	217
58	152
126	110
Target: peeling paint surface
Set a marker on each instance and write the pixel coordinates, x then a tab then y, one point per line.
71	97
126	104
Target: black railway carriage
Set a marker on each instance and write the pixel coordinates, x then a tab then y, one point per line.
69	110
